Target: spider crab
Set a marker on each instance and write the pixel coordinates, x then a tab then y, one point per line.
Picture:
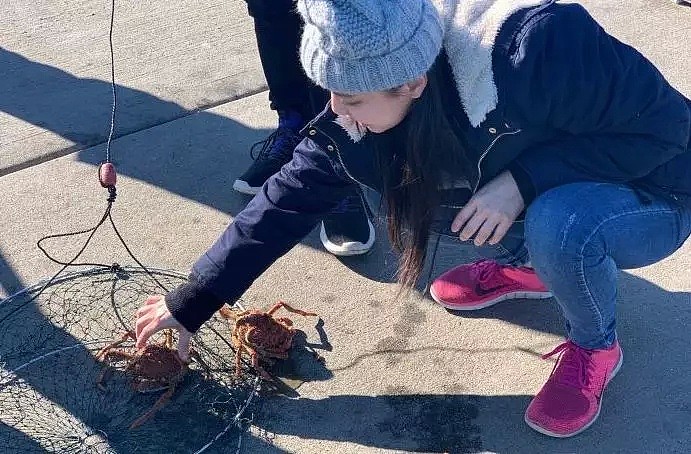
155	367
261	335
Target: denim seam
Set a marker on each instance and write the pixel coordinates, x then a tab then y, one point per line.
582	278
505	251
511	256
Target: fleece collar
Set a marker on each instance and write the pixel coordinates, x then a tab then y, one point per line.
470	30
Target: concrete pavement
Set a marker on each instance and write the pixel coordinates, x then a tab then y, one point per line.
403	376
171	59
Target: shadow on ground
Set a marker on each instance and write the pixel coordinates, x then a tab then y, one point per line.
198	160
647	408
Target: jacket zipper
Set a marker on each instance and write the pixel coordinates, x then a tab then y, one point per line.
479	163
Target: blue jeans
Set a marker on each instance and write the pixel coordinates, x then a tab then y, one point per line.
579	235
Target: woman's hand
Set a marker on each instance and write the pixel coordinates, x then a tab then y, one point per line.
488	215
154	316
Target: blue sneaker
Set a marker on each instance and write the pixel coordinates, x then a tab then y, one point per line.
271	153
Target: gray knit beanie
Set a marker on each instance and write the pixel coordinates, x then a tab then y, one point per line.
355	46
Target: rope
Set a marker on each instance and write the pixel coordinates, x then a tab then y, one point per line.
112	194
112	80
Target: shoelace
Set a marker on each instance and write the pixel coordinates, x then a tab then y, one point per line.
350	204
486	272
278	145
574	363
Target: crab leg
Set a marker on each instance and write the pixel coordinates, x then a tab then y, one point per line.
285	320
229	314
289	308
107	370
104	351
168	339
255	362
238	359
258	368
165	397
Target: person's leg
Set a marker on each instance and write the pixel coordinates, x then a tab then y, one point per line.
277	26
346	231
277	29
579	236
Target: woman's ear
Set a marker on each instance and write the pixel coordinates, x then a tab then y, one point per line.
417	86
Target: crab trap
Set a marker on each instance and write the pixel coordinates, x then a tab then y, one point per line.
58	395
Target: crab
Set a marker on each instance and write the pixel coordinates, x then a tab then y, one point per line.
155	367
261	335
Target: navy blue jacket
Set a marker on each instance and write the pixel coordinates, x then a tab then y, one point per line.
574	104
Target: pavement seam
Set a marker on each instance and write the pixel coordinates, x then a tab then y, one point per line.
62	152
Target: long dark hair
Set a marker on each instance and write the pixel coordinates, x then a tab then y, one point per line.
415	160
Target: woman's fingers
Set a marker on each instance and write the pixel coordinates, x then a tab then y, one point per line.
485	231
153	317
462	217
472	226
147	331
149	320
141	323
142	311
153	299
500	232
149	305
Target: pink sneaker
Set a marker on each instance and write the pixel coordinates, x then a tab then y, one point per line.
571	399
484	283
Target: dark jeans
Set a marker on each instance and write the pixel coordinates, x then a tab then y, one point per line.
278	25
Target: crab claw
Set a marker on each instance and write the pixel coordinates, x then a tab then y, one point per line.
106	175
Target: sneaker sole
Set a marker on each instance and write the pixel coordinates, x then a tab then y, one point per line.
245	188
350	248
492	302
544	431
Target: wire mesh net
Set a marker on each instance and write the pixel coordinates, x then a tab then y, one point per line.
49	398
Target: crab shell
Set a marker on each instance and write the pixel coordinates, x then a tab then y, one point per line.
156	367
267	335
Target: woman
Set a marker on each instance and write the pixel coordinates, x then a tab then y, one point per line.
514	124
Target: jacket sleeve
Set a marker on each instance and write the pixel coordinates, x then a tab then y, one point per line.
615	116
288	207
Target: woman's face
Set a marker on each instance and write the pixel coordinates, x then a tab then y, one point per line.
378	111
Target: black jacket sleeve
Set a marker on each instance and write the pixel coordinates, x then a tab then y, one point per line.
288	207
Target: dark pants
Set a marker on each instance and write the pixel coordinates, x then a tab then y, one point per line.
278	25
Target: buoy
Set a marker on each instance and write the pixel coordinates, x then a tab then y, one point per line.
106	175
